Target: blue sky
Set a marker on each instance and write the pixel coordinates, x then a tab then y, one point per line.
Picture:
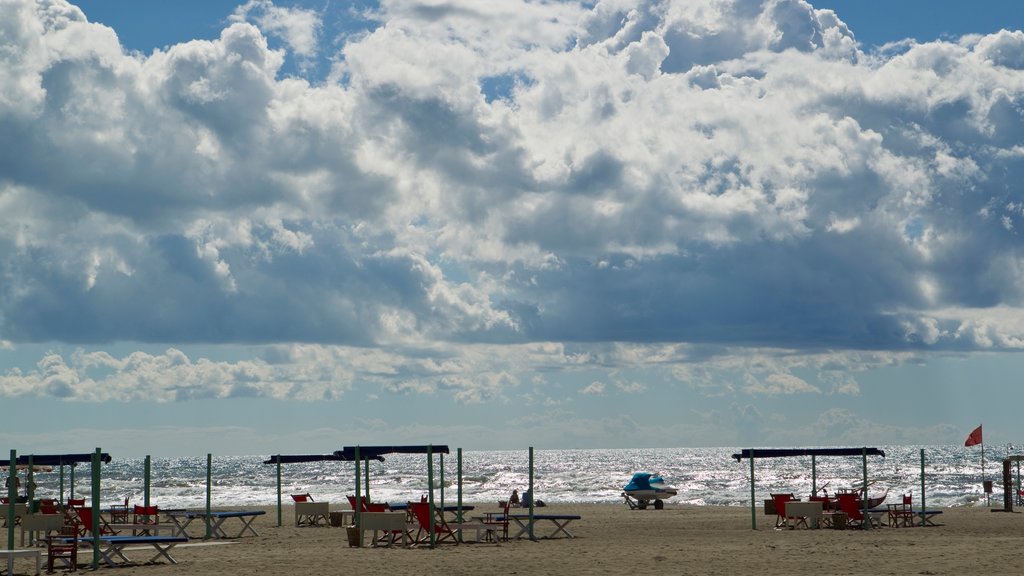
269	227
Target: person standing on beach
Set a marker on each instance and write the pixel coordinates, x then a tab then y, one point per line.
17	484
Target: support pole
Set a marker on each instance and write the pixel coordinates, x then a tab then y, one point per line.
441	457
430	492
71	490
61	500
278	490
458	467
366	478
30	488
12	497
359	501
922	489
533	495
864	499
814	475
96	462
753	500
147	474
209	492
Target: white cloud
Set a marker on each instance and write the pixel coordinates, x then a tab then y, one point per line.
593	389
571	184
782	384
297	27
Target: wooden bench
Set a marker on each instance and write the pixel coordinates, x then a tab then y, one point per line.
32	553
390	523
806	514
311	513
44	523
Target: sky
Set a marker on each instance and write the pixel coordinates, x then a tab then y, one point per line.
286	227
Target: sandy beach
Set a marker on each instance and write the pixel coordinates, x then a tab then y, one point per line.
611	539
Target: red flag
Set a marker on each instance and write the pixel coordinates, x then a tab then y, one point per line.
974	438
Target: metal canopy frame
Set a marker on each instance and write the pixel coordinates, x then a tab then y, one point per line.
755	453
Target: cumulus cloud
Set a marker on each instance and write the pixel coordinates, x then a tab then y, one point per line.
578	182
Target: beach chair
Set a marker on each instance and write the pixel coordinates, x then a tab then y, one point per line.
901	513
48	506
367	506
119	514
499	520
442	533
780	508
143	516
85	523
64	547
307	497
852	505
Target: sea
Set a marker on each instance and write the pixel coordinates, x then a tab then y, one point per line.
952	476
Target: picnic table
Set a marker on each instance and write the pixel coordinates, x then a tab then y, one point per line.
560	521
182	519
112	547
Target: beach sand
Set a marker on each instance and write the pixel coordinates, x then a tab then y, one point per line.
614	540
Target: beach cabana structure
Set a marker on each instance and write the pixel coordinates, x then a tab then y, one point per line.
752	454
95	459
361	453
282	459
32	462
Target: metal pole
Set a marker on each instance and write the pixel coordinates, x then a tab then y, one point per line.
753	500
430	492
61	500
814	475
864	502
96	459
441	456
71	490
988	501
209	492
30	489
458	467
278	490
359	502
366	476
147	472
922	489
533	495
12	497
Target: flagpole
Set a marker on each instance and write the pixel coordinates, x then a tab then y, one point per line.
988	495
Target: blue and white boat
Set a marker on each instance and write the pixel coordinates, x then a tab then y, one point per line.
645	488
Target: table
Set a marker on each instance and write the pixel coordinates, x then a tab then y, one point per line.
807	514
31	553
927	516
145	529
338	517
112	547
181	521
559	520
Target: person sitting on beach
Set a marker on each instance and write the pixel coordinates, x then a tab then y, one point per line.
528	497
513	500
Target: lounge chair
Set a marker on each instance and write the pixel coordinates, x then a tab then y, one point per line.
367	506
780	508
307	497
852	505
442	532
85	523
